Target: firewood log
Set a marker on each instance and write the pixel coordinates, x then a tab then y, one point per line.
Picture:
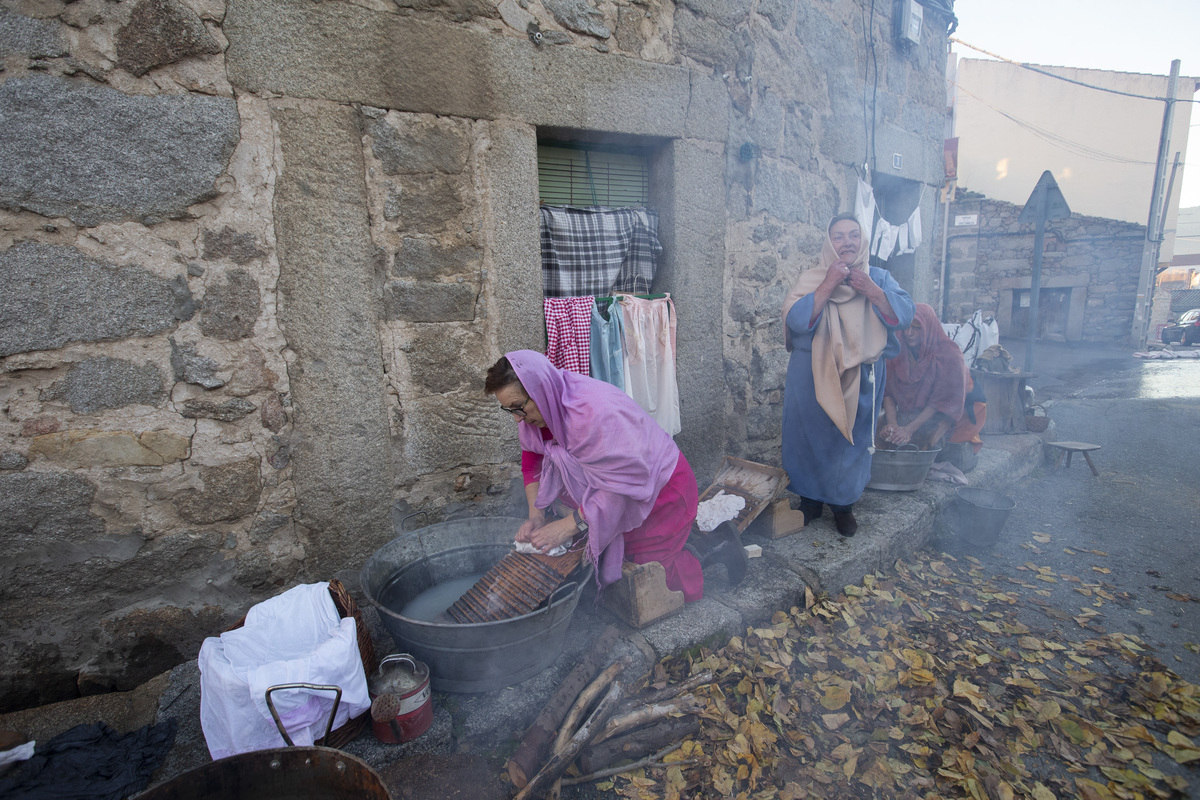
558	763
534	745
637	743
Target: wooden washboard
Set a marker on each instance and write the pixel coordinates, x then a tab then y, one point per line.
518	585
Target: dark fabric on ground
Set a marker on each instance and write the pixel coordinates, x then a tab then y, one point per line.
91	762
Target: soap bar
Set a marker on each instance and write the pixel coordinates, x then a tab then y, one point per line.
753	551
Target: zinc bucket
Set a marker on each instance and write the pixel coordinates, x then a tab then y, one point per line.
980	515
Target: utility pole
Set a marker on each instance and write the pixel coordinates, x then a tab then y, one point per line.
1158	206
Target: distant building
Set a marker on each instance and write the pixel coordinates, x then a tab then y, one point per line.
1012	124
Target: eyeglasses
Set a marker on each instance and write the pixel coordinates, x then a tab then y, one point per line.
517	411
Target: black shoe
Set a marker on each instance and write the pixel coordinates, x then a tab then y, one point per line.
728	551
811	509
845	522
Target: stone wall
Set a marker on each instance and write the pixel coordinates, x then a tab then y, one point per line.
1091	262
257	254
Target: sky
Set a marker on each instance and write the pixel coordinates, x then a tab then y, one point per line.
1114	35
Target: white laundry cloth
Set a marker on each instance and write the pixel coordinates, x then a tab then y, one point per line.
22	752
913	230
296	637
945	471
864	208
526	547
648	329
719	508
885	239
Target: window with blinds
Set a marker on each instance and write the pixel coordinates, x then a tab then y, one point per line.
575	175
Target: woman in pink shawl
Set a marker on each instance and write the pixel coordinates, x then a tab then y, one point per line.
927	386
588	444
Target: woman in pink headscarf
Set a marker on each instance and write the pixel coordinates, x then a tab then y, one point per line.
927	388
588	444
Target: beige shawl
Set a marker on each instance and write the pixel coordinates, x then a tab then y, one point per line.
848	335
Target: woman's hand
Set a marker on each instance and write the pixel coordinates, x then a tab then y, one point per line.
537	518
860	281
836	275
898	434
549	536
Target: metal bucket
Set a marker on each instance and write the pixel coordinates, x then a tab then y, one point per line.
472	657
901	470
980	514
286	773
403	677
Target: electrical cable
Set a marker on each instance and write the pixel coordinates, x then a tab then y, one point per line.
1070	145
1032	68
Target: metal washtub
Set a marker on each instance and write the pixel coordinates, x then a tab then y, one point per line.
900	470
471	657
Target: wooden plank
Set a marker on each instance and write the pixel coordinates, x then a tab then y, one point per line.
641	596
755	483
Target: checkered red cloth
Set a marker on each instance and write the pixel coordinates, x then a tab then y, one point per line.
598	251
569	332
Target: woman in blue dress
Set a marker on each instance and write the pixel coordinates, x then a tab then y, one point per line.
840	322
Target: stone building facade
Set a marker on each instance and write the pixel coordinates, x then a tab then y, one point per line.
257	254
1089	271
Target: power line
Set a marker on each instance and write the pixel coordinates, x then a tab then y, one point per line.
1032	68
1078	148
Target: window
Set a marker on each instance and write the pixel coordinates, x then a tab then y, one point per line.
571	174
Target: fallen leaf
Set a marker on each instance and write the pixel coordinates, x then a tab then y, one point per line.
835	721
1182	598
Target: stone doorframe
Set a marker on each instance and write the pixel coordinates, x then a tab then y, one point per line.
1075	307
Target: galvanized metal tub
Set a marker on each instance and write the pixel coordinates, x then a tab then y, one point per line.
901	470
473	657
286	773
980	514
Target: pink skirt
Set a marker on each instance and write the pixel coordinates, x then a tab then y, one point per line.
663	535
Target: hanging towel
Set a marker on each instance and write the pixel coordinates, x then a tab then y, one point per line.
596	251
569	332
649	358
606	350
864	208
910	242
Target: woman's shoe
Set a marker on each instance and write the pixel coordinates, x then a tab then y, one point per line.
728	551
811	509
845	523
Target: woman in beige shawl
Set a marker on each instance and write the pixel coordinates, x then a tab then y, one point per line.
840	320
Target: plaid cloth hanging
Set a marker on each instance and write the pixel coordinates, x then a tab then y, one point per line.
569	332
596	251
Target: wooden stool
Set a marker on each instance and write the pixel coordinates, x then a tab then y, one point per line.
1070	448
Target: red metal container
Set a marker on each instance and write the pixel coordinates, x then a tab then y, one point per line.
406	679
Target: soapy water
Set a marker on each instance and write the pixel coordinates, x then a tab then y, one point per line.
431	603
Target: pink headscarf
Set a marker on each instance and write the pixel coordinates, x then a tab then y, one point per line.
607	455
938	378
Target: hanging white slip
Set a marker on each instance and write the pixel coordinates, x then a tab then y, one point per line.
885	240
864	208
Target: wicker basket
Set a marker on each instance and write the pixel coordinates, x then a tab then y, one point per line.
346	607
1036	419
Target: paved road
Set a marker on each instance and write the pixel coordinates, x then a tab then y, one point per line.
1142	512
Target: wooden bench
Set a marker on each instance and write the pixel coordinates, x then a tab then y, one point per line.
1070	448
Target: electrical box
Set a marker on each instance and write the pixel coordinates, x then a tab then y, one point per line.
910	16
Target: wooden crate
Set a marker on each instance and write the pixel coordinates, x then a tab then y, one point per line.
755	483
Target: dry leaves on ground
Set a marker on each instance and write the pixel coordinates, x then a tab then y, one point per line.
925	684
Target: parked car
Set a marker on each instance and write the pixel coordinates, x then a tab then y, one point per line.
1186	330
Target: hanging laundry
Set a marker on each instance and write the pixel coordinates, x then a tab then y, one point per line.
606	348
884	243
649	357
569	332
912	240
596	251
864	208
